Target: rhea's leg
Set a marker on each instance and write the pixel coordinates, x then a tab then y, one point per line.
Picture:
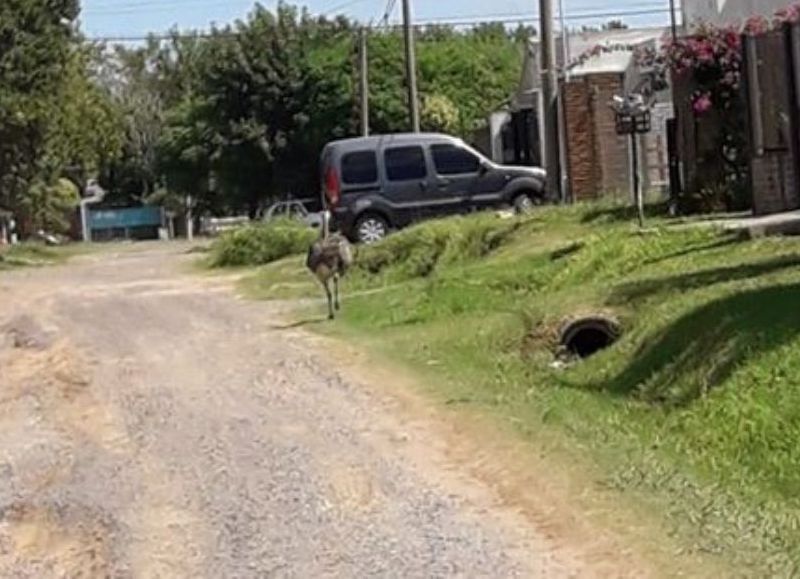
336	292
326	285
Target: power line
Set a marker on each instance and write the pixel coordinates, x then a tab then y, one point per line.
339	7
169	5
387	14
630	8
521	18
441	21
150	5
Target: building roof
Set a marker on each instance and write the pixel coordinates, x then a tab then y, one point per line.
580	43
729	12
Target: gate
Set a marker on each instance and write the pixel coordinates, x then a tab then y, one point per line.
772	79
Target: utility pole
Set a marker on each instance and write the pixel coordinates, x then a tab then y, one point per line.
189	219
563	149
673	20
364	82
673	127
550	97
411	67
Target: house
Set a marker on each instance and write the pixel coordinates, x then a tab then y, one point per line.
729	12
598	161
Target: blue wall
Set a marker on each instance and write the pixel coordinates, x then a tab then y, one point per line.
125	218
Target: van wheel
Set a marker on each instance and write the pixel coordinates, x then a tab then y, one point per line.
371	228
525	203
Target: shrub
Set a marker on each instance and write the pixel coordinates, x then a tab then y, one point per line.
261	244
419	251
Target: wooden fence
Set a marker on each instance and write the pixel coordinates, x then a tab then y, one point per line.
771	90
772	83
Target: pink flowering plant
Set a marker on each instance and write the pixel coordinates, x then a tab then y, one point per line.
710	61
712	57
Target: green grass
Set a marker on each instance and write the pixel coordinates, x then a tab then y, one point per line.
34	254
696	410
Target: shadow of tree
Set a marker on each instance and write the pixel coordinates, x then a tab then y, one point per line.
642	289
721	243
704	347
623	213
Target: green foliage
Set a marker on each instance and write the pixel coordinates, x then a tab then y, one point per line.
439	115
261	244
475	70
48	207
55	121
238	118
35	46
269	105
85	132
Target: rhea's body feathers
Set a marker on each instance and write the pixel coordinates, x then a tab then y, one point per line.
330	256
328	259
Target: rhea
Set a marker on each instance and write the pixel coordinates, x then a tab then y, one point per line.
328	259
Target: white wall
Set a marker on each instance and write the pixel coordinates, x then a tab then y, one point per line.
729	11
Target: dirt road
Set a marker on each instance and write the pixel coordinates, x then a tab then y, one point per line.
154	425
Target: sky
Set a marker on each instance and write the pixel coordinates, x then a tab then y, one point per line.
122	18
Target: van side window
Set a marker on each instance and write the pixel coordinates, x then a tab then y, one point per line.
452	160
359	168
405	163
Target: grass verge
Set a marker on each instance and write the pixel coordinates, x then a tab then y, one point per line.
695	410
34	254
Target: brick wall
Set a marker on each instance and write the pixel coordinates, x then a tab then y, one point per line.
599	159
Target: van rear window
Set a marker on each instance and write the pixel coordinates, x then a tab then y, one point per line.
405	163
359	168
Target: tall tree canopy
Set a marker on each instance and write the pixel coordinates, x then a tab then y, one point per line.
235	117
54	120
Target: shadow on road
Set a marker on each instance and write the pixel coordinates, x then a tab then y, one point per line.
299	324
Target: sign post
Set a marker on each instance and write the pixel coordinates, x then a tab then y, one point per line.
633	119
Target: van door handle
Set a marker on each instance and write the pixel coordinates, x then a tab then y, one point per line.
443	183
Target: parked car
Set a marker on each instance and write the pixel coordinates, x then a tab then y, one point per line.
293	210
215	226
375	184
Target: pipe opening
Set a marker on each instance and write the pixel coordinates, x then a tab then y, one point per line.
586	337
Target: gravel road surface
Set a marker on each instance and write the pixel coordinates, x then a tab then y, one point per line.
152	424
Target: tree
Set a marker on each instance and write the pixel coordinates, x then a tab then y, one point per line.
48	206
269	103
238	117
85	131
36	44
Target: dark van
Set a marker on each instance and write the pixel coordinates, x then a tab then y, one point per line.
375	184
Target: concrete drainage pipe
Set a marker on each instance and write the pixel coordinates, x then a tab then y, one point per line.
583	337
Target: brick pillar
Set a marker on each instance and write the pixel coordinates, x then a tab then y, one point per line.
581	157
613	151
